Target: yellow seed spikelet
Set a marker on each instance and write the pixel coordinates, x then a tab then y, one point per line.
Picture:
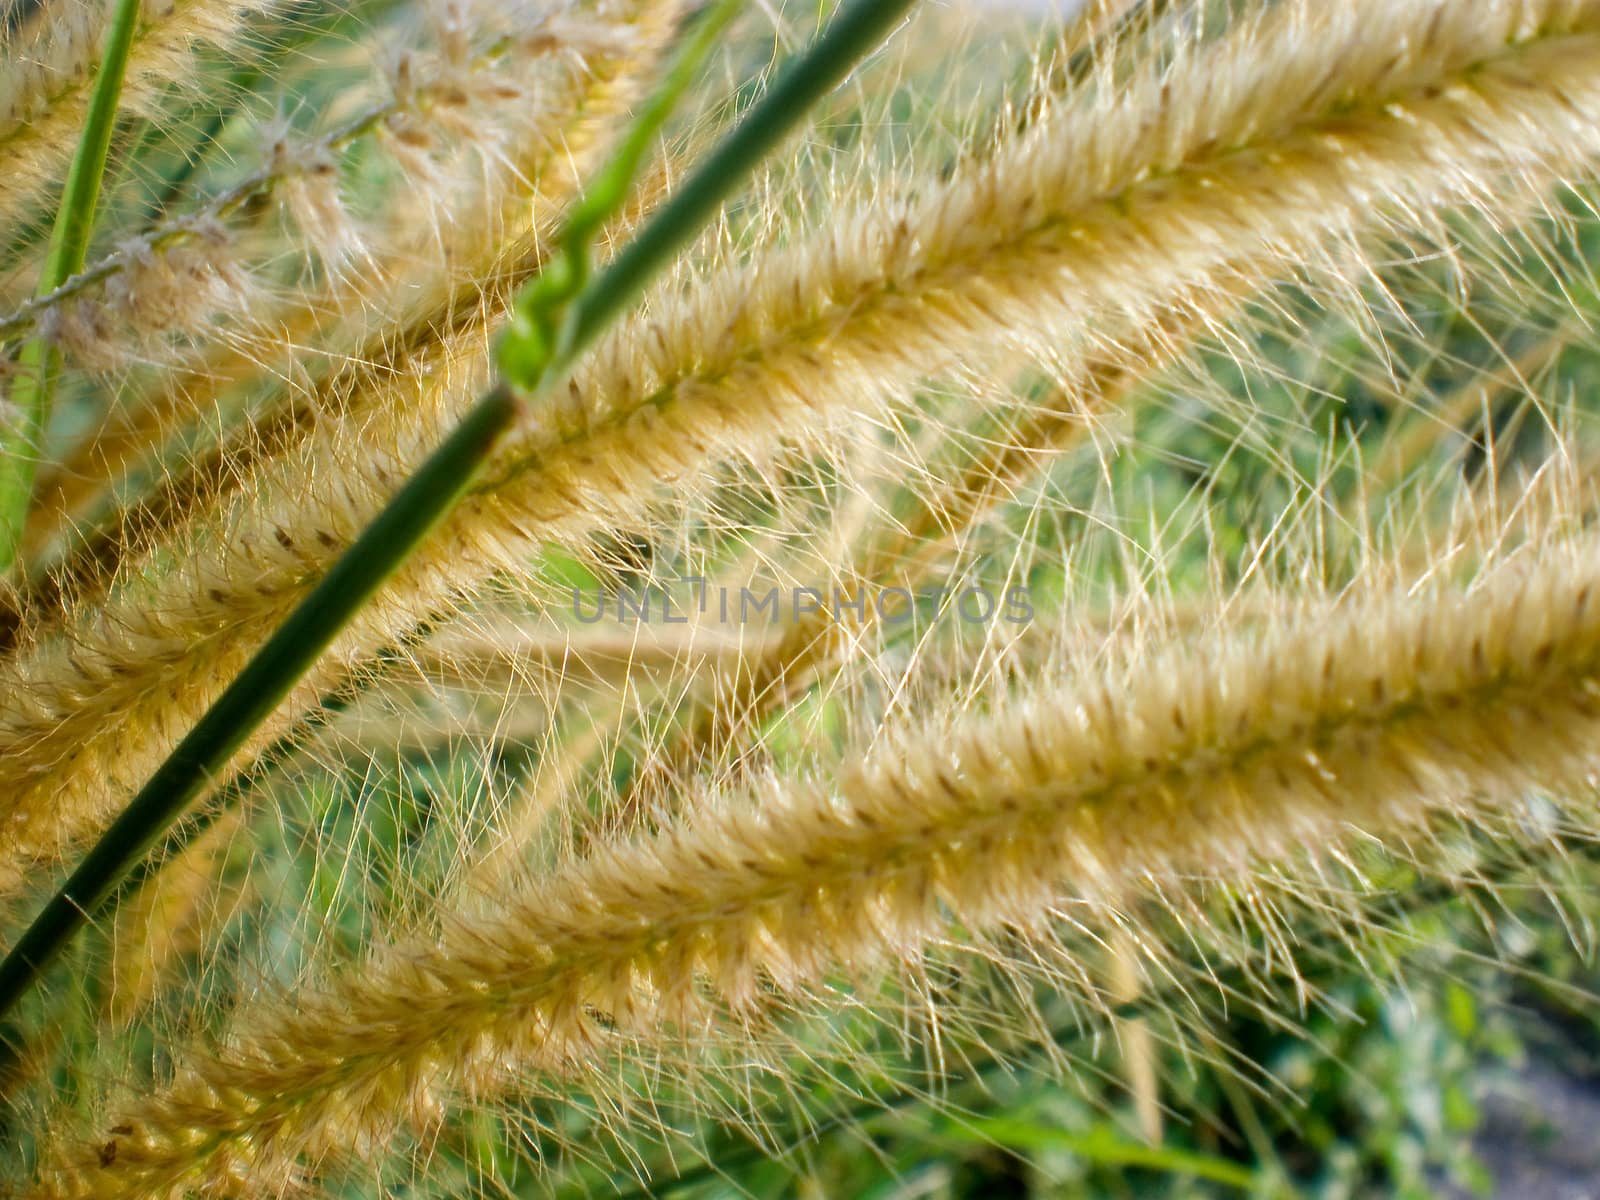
54	47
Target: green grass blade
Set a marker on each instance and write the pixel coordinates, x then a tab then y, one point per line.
1100	1145
600	201
20	440
532	347
260	687
553	323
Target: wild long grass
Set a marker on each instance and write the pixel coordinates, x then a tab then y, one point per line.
1056	231
1248	340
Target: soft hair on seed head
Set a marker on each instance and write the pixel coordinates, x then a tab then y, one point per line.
1303	729
1233	162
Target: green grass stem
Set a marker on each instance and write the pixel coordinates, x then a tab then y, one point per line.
260	688
554	321
22	436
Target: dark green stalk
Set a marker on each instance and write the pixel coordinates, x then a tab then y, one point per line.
280	751
20	443
568	305
700	198
545	333
534	348
260	687
850	37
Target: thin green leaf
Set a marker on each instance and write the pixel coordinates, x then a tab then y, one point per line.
533	346
529	361
553	322
23	434
1101	1145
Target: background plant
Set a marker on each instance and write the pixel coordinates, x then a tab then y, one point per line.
1249	339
